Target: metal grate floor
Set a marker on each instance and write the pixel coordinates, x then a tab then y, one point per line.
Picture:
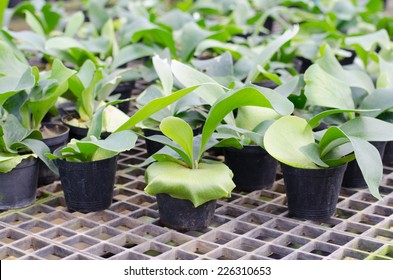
248	226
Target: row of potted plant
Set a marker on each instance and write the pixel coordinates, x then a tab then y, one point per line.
231	110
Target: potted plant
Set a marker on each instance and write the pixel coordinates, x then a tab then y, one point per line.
182	179
313	164
87	168
19	149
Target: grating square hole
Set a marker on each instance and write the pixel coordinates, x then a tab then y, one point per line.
344	214
382	211
35	226
149	231
230	212
38	211
15	219
129	255
102	216
336	238
58	203
306	256
238	227
127	241
197	233
267	196
353	228
10	254
367	219
218	221
123	208
57	234
246	244
274	252
104	251
80	225
255	218
280	225
173	239
264	234
345	192
226	254
291	241
58	218
356	205
151	249
30	244
332	222
388	202
219	237
366	197
365	245
81	242
136	185
385	190
103	233
249	203
387	224
54	253
307	231
179	255
273	209
381	234
125	224
145	216
142	200
349	254
199	247
319	248
122	194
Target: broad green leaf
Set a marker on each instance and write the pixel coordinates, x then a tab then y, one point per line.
108	30
247	96
369	129
352	78
369	41
249	117
381	99
265	55
98	14
40	149
385	79
312	151
34	23
325	90
9	161
50	18
155	106
113	118
237	51
74	24
285	138
63	43
315	121
130	53
164	73
292	86
175	19
29	40
191	36
181	133
219	66
212	180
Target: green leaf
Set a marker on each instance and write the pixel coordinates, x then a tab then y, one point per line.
63	43
369	129
249	117
75	22
247	96
385	79
237	51
155	106
34	23
191	36
265	55
212	180
9	161
312	151
98	14
3	8
181	133
285	138
369	41
40	149
130	53
164	73
325	90
380	99
315	121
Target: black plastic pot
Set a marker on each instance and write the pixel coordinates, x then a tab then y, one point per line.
88	186
348	60
152	146
253	168
180	214
78	132
353	177
57	140
18	187
124	89
388	154
312	193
